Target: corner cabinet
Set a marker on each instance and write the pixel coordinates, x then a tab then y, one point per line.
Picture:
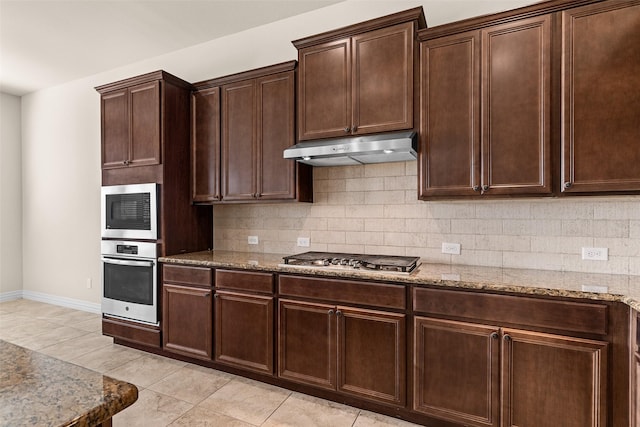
600	102
241	126
359	79
486	110
187	311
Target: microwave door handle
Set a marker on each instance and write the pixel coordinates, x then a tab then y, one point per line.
128	262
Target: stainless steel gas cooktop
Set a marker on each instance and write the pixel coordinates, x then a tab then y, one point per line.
342	261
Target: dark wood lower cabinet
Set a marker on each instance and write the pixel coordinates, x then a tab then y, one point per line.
244	331
481	375
355	351
187	323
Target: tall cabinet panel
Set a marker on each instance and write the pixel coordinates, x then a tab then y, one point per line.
238	141
600	102
275	124
205	145
145	124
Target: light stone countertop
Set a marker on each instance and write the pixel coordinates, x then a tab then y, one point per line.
39	390
617	287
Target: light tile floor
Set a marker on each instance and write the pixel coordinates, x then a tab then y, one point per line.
171	392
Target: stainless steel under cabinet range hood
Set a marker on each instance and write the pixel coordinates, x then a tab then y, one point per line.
379	148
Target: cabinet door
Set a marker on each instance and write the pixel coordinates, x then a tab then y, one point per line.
553	380
187	323
205	145
324	90
238	141
456	371
635	405
372	355
307	343
600	102
275	133
450	116
115	129
244	331
516	101
144	101
382	85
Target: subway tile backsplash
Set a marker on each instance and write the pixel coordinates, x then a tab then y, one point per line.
375	209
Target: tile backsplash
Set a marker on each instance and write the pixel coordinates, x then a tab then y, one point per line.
375	209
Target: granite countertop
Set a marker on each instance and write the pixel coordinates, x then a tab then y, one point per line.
603	287
38	390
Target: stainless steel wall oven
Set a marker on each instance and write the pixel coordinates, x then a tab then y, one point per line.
129	280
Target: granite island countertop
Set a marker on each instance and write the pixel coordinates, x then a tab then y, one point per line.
39	390
594	286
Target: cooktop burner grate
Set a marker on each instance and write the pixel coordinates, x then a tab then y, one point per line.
354	261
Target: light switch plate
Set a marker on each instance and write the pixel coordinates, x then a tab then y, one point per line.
451	248
304	242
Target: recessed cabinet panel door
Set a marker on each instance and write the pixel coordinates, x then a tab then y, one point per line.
553	380
307	343
600	97
383	80
187	322
516	143
456	371
238	141
324	90
115	129
244	331
450	122
145	124
372	355
205	145
276	113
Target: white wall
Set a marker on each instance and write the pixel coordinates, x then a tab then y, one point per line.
10	196
61	156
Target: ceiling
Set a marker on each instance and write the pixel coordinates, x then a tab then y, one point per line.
48	42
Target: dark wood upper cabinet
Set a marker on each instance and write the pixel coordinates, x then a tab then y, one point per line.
358	79
486	111
600	102
131	122
238	146
205	145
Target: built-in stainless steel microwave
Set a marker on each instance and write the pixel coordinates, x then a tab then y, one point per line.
130	211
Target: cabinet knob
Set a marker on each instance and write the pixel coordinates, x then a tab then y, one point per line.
126	163
494	335
338	313
567	185
485	187
347	129
215	295
330	312
507	337
207	294
355	128
476	188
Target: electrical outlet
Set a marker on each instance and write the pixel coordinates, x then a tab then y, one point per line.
451	248
595	254
88	282
303	242
595	288
252	240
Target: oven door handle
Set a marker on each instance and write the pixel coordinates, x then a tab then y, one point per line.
128	262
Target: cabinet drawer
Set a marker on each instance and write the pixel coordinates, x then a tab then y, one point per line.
197	276
344	291
246	281
131	331
501	309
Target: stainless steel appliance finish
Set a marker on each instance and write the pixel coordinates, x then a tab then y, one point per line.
129	280
345	261
130	211
380	148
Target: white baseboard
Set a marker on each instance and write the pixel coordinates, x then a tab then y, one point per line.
52	299
10	296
